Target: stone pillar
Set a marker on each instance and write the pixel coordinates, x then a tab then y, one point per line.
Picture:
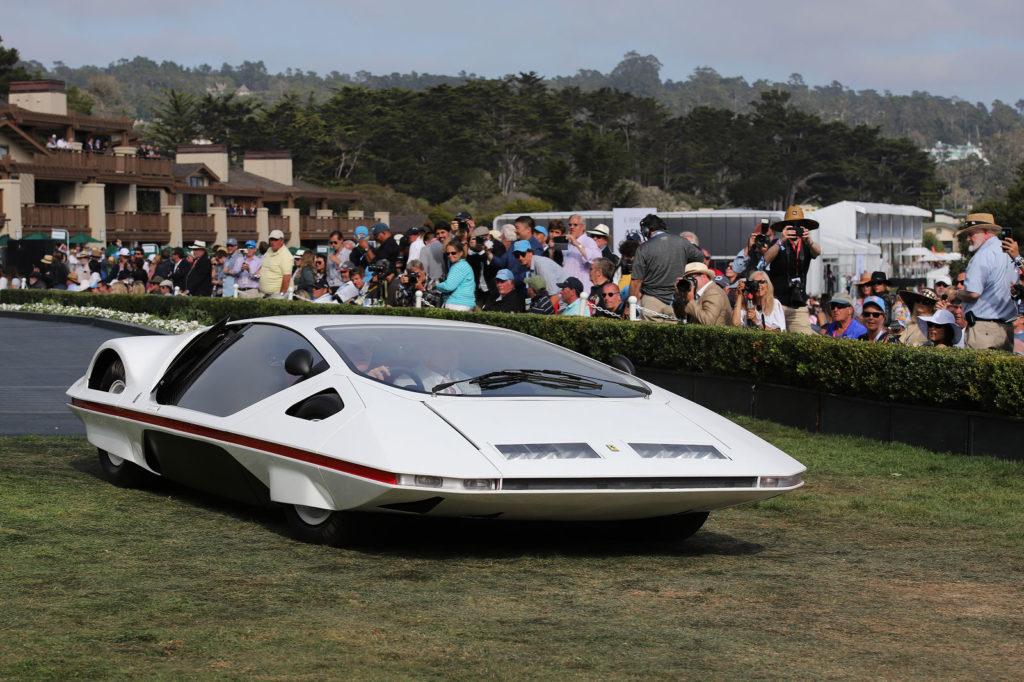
220	222
383	217
75	146
91	194
355	215
11	207
294	225
125	151
262	224
324	213
173	214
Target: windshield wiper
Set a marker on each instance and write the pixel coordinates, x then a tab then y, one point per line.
549	378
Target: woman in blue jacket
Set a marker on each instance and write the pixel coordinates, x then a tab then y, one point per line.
460	286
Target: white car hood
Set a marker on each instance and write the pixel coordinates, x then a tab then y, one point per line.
608	426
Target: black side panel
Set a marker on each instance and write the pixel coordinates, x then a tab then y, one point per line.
203	466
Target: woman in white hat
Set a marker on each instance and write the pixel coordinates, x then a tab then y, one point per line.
941	330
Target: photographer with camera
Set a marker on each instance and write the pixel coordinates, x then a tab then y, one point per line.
756	305
384	248
790	257
659	263
988	307
402	292
752	255
699	299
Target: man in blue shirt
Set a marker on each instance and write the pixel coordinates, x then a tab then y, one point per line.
986	294
843	324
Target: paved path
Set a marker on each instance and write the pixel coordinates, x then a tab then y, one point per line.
39	359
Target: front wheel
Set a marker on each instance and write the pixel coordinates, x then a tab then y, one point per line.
320	526
121	472
677	527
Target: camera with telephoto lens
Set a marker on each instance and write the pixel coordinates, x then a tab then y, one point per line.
411	277
762	242
751	286
380	267
685	284
800	230
1017	292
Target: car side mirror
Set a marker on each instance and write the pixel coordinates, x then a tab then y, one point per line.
299	363
623	364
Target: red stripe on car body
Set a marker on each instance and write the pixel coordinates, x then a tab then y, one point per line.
244	441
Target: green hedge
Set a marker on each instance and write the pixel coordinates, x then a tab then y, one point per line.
985	381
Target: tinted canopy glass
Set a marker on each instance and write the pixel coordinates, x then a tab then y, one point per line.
475	361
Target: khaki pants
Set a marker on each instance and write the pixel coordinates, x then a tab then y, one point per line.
655	304
254	292
797	320
990	336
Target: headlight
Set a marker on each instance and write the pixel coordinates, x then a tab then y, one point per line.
440	482
780	481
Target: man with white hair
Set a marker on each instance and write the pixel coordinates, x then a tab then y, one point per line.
986	294
582	251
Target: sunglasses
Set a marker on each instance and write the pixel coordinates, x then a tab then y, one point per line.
334	241
869	314
607	295
838	306
934	325
452	253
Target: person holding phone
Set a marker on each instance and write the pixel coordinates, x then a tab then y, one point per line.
987	305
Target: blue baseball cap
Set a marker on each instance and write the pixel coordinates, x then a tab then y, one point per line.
380	227
522	246
876	300
540	228
505	274
250	244
362	231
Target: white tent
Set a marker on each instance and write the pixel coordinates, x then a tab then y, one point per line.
915	252
844	256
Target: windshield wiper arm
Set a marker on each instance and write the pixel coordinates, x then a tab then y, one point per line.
548	378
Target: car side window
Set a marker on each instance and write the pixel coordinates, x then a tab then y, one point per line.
250	369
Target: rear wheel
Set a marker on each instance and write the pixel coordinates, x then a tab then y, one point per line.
117	470
320	526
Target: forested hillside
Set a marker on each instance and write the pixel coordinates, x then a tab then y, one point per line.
696	138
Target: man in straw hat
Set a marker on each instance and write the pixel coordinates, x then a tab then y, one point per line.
703	302
790	257
987	305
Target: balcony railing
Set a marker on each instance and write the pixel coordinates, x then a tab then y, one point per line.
105	163
319	229
242	227
138	227
47	216
197	226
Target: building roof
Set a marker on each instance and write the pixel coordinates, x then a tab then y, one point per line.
881	209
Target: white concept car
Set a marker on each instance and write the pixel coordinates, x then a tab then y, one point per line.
326	415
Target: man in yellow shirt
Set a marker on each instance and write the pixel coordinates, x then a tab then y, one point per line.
276	273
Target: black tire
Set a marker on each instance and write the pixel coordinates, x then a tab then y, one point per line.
678	527
121	472
320	526
113	378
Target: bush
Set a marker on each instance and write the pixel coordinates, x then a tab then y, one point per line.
986	381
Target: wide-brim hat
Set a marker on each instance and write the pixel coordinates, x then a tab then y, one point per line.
864	279
979	221
47	259
73	277
912	297
878	276
943	317
600	231
199	244
795	216
698	269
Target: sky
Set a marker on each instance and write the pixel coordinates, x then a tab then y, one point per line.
971	50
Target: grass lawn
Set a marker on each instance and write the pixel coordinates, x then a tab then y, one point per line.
892	562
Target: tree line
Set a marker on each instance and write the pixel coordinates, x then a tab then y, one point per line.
570	147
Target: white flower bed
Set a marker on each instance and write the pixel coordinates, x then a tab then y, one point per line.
172	326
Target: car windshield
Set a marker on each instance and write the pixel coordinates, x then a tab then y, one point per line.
455	360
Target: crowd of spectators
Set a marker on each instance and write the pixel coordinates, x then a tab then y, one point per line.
565	269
